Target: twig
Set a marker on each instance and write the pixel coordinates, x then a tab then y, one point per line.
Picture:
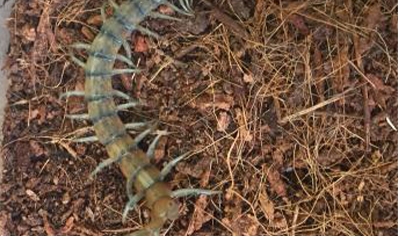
365	92
226	20
314	108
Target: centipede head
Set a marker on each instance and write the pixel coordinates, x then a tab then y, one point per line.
165	208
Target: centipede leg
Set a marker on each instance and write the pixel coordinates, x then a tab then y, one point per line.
78	62
133	200
136	125
166	170
127	105
151	149
86	139
141	136
125	59
84	46
78	117
72	94
147	32
163	16
115	93
186	5
177	9
102	165
112	72
127	48
121	95
193	191
119	57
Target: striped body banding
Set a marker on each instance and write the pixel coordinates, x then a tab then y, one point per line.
135	164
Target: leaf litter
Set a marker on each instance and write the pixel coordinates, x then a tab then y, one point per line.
289	108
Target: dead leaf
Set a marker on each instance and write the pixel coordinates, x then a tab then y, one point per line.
248	78
223	121
36	148
244	133
394	23
380	91
70	150
267	206
372	19
95	20
220	101
66	198
280	221
126	81
45	37
164	9
29	33
374	16
140	44
68	226
32	195
199	216
87	33
47	227
196	170
246	225
230	23
275	180
3	222
341	66
277	156
299	23
319	73
160	149
204	179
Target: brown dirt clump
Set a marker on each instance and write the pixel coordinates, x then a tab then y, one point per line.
290	108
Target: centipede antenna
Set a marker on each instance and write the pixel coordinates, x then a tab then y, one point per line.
151	149
127	105
86	139
166	170
72	94
192	192
78	117
102	165
147	32
163	16
78	62
136	125
131	204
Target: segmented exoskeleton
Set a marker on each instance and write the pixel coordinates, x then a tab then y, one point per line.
110	130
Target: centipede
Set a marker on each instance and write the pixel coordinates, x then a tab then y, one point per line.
143	180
